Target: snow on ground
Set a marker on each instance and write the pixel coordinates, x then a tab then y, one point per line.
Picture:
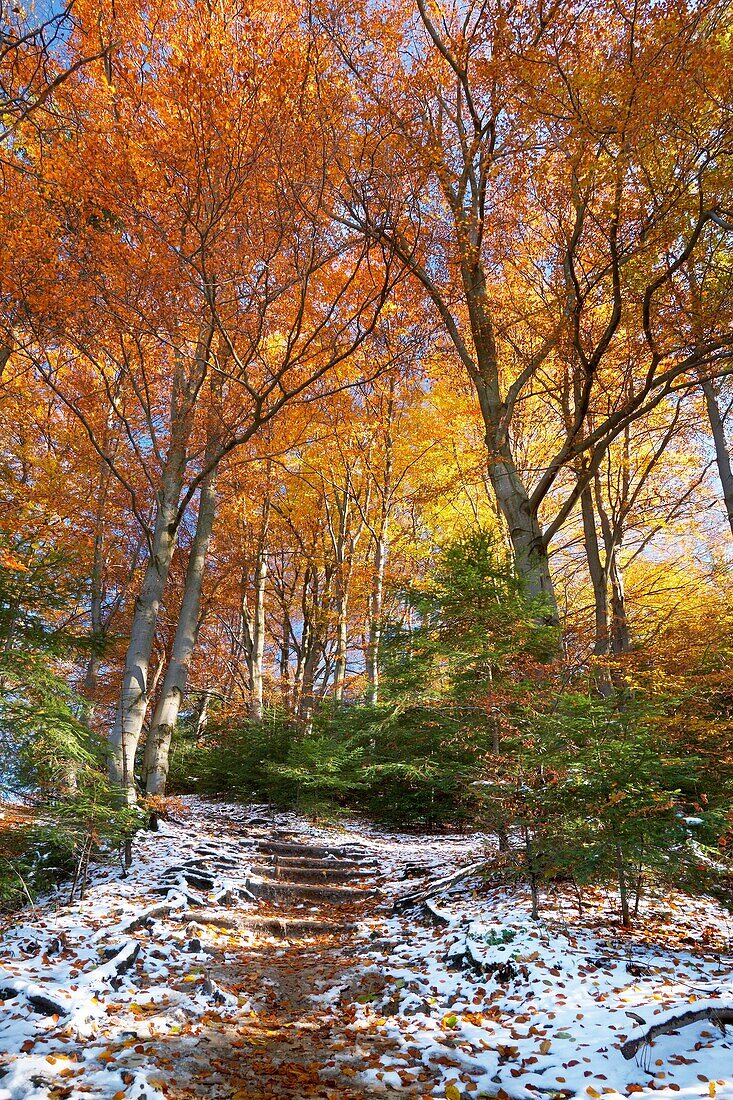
501	1005
78	981
486	1000
512	1007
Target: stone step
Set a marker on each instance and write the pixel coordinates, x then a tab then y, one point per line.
302	874
294	927
318	851
309	864
335	895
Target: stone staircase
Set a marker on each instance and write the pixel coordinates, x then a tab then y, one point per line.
292	876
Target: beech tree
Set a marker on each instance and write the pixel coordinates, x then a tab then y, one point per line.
718	410
292	300
541	220
181	279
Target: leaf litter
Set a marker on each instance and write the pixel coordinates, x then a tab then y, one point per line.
187	978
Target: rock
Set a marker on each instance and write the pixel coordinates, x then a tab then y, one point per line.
505	972
212	990
194	945
198	866
226	897
146	918
44	1006
219	919
199	882
385	947
415	870
195	878
42	1082
455	956
192	900
416	1008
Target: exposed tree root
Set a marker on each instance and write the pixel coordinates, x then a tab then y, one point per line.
719	1016
419	897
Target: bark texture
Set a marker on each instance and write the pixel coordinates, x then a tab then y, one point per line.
157	747
135	692
722	454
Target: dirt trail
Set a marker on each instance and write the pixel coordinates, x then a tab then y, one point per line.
252	954
299	946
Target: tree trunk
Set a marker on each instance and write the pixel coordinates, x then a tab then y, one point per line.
285	687
258	636
596	571
306	704
623	892
344	541
134	695
599	583
250	641
381	545
612	533
96	602
342	645
620	636
157	748
202	717
376	598
722	454
531	559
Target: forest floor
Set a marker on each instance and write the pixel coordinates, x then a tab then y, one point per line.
249	954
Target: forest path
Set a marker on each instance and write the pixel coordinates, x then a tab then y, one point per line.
238	957
249	954
300	958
